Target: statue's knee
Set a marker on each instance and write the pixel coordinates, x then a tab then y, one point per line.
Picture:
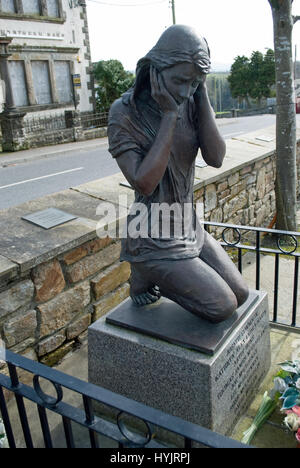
230	304
242	294
225	309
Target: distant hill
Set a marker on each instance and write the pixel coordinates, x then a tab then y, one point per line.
218	67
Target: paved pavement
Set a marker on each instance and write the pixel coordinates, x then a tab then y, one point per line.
49	151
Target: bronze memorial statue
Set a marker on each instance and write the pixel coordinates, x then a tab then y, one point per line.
155	131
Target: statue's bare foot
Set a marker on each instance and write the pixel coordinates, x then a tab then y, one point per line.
148	297
142	292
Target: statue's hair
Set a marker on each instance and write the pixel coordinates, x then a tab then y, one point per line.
162	59
178	44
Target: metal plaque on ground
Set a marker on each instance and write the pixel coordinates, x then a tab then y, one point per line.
49	218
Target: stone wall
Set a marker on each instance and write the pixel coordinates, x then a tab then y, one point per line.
246	197
66	135
54	283
19	134
47	312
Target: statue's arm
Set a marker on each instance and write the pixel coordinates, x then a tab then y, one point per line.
212	144
144	175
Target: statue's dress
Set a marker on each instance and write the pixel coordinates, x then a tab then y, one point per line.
134	127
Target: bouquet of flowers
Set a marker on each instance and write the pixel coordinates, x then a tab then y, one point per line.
265	410
287	382
286	388
3	438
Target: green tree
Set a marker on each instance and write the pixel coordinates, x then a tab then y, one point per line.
239	78
112	80
286	169
261	75
268	78
254	77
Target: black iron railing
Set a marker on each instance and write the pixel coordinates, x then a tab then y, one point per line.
90	121
274	243
116	431
56	122
44	124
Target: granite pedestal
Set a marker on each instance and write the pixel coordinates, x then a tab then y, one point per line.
210	382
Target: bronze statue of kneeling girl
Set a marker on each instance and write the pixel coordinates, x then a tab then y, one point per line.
155	131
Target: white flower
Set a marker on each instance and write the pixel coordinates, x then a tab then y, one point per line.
292	421
2	430
280	385
4	443
3	438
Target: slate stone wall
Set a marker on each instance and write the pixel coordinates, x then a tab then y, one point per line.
48	312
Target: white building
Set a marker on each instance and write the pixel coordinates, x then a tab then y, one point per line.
49	64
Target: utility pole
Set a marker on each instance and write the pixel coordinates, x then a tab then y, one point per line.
172	2
295	63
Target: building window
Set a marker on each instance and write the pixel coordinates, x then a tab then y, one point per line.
52	8
19	87
8	6
44	8
37	83
41	81
32	7
63	81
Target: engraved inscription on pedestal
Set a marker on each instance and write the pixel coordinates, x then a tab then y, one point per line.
240	369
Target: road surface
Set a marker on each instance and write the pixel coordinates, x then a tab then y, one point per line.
47	171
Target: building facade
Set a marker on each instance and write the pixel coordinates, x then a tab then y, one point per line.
45	56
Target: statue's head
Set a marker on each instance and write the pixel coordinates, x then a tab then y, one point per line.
178	47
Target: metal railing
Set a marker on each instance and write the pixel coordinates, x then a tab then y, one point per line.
44	124
117	431
55	122
90	121
274	243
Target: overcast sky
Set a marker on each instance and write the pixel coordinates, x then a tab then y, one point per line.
231	27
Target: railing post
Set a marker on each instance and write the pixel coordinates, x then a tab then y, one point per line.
258	260
295	293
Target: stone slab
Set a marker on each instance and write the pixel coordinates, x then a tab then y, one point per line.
238	155
8	269
211	391
172	323
28	245
110	189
